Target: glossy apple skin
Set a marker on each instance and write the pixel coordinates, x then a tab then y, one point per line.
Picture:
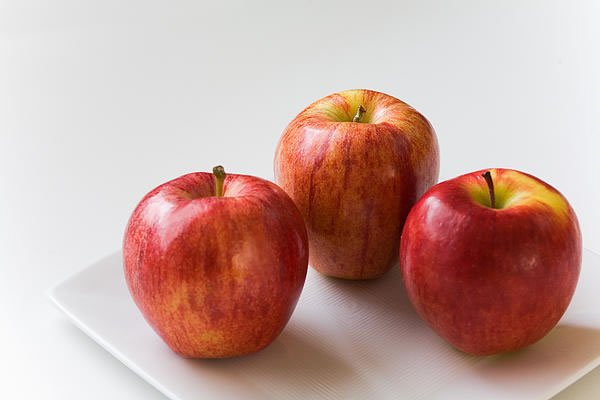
216	276
489	280
355	183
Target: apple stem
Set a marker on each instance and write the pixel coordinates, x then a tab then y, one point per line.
359	113
219	173
488	178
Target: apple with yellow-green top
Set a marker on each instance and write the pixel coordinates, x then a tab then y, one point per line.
354	163
490	259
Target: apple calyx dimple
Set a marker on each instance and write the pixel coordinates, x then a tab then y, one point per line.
359	113
488	179
219	173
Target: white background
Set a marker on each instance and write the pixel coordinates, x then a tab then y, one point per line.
100	101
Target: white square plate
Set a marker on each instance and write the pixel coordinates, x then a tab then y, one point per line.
346	340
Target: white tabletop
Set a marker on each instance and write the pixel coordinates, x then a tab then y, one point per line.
100	101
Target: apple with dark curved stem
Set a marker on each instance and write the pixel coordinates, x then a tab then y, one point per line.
216	263
490	259
354	163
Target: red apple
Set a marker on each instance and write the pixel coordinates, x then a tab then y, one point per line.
491	276
216	267
355	163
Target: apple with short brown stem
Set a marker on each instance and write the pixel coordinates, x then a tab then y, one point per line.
490	259
355	163
216	263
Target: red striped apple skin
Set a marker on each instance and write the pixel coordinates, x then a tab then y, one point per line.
216	276
490	280
355	182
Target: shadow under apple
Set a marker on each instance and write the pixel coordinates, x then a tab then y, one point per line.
552	363
385	293
296	365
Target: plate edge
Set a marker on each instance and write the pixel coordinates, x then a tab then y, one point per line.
51	293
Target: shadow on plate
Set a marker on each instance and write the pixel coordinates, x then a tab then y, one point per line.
292	365
386	293
563	348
